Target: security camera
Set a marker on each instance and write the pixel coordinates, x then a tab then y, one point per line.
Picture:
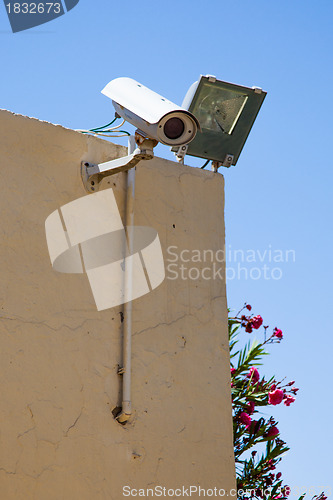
157	117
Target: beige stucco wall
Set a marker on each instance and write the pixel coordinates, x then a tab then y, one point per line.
59	356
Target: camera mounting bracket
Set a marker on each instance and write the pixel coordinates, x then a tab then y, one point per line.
92	174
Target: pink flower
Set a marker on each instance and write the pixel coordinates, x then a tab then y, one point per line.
275	397
254	374
273	431
278	333
232	370
288	399
257	322
250	407
273	387
248	327
245	419
278	475
294	390
271	464
248	307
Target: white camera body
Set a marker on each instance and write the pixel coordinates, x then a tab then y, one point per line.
154	115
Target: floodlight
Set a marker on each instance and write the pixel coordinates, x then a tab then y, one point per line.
226	113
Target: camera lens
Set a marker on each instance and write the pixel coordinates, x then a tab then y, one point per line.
174	128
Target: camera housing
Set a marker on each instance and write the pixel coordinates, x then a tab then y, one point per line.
154	115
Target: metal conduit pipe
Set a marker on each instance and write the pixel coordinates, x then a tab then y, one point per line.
126	410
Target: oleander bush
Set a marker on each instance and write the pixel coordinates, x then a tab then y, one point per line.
257	442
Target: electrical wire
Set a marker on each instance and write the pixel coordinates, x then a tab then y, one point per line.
104	134
205	164
85	131
123	134
103	131
104	126
114	128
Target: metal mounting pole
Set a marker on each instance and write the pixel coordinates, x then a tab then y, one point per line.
139	148
128	283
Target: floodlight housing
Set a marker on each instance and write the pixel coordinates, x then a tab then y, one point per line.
226	113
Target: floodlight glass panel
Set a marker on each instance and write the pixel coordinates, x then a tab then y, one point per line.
226	113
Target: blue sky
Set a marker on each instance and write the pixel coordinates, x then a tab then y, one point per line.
279	193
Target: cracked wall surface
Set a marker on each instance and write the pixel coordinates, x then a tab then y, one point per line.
59	356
